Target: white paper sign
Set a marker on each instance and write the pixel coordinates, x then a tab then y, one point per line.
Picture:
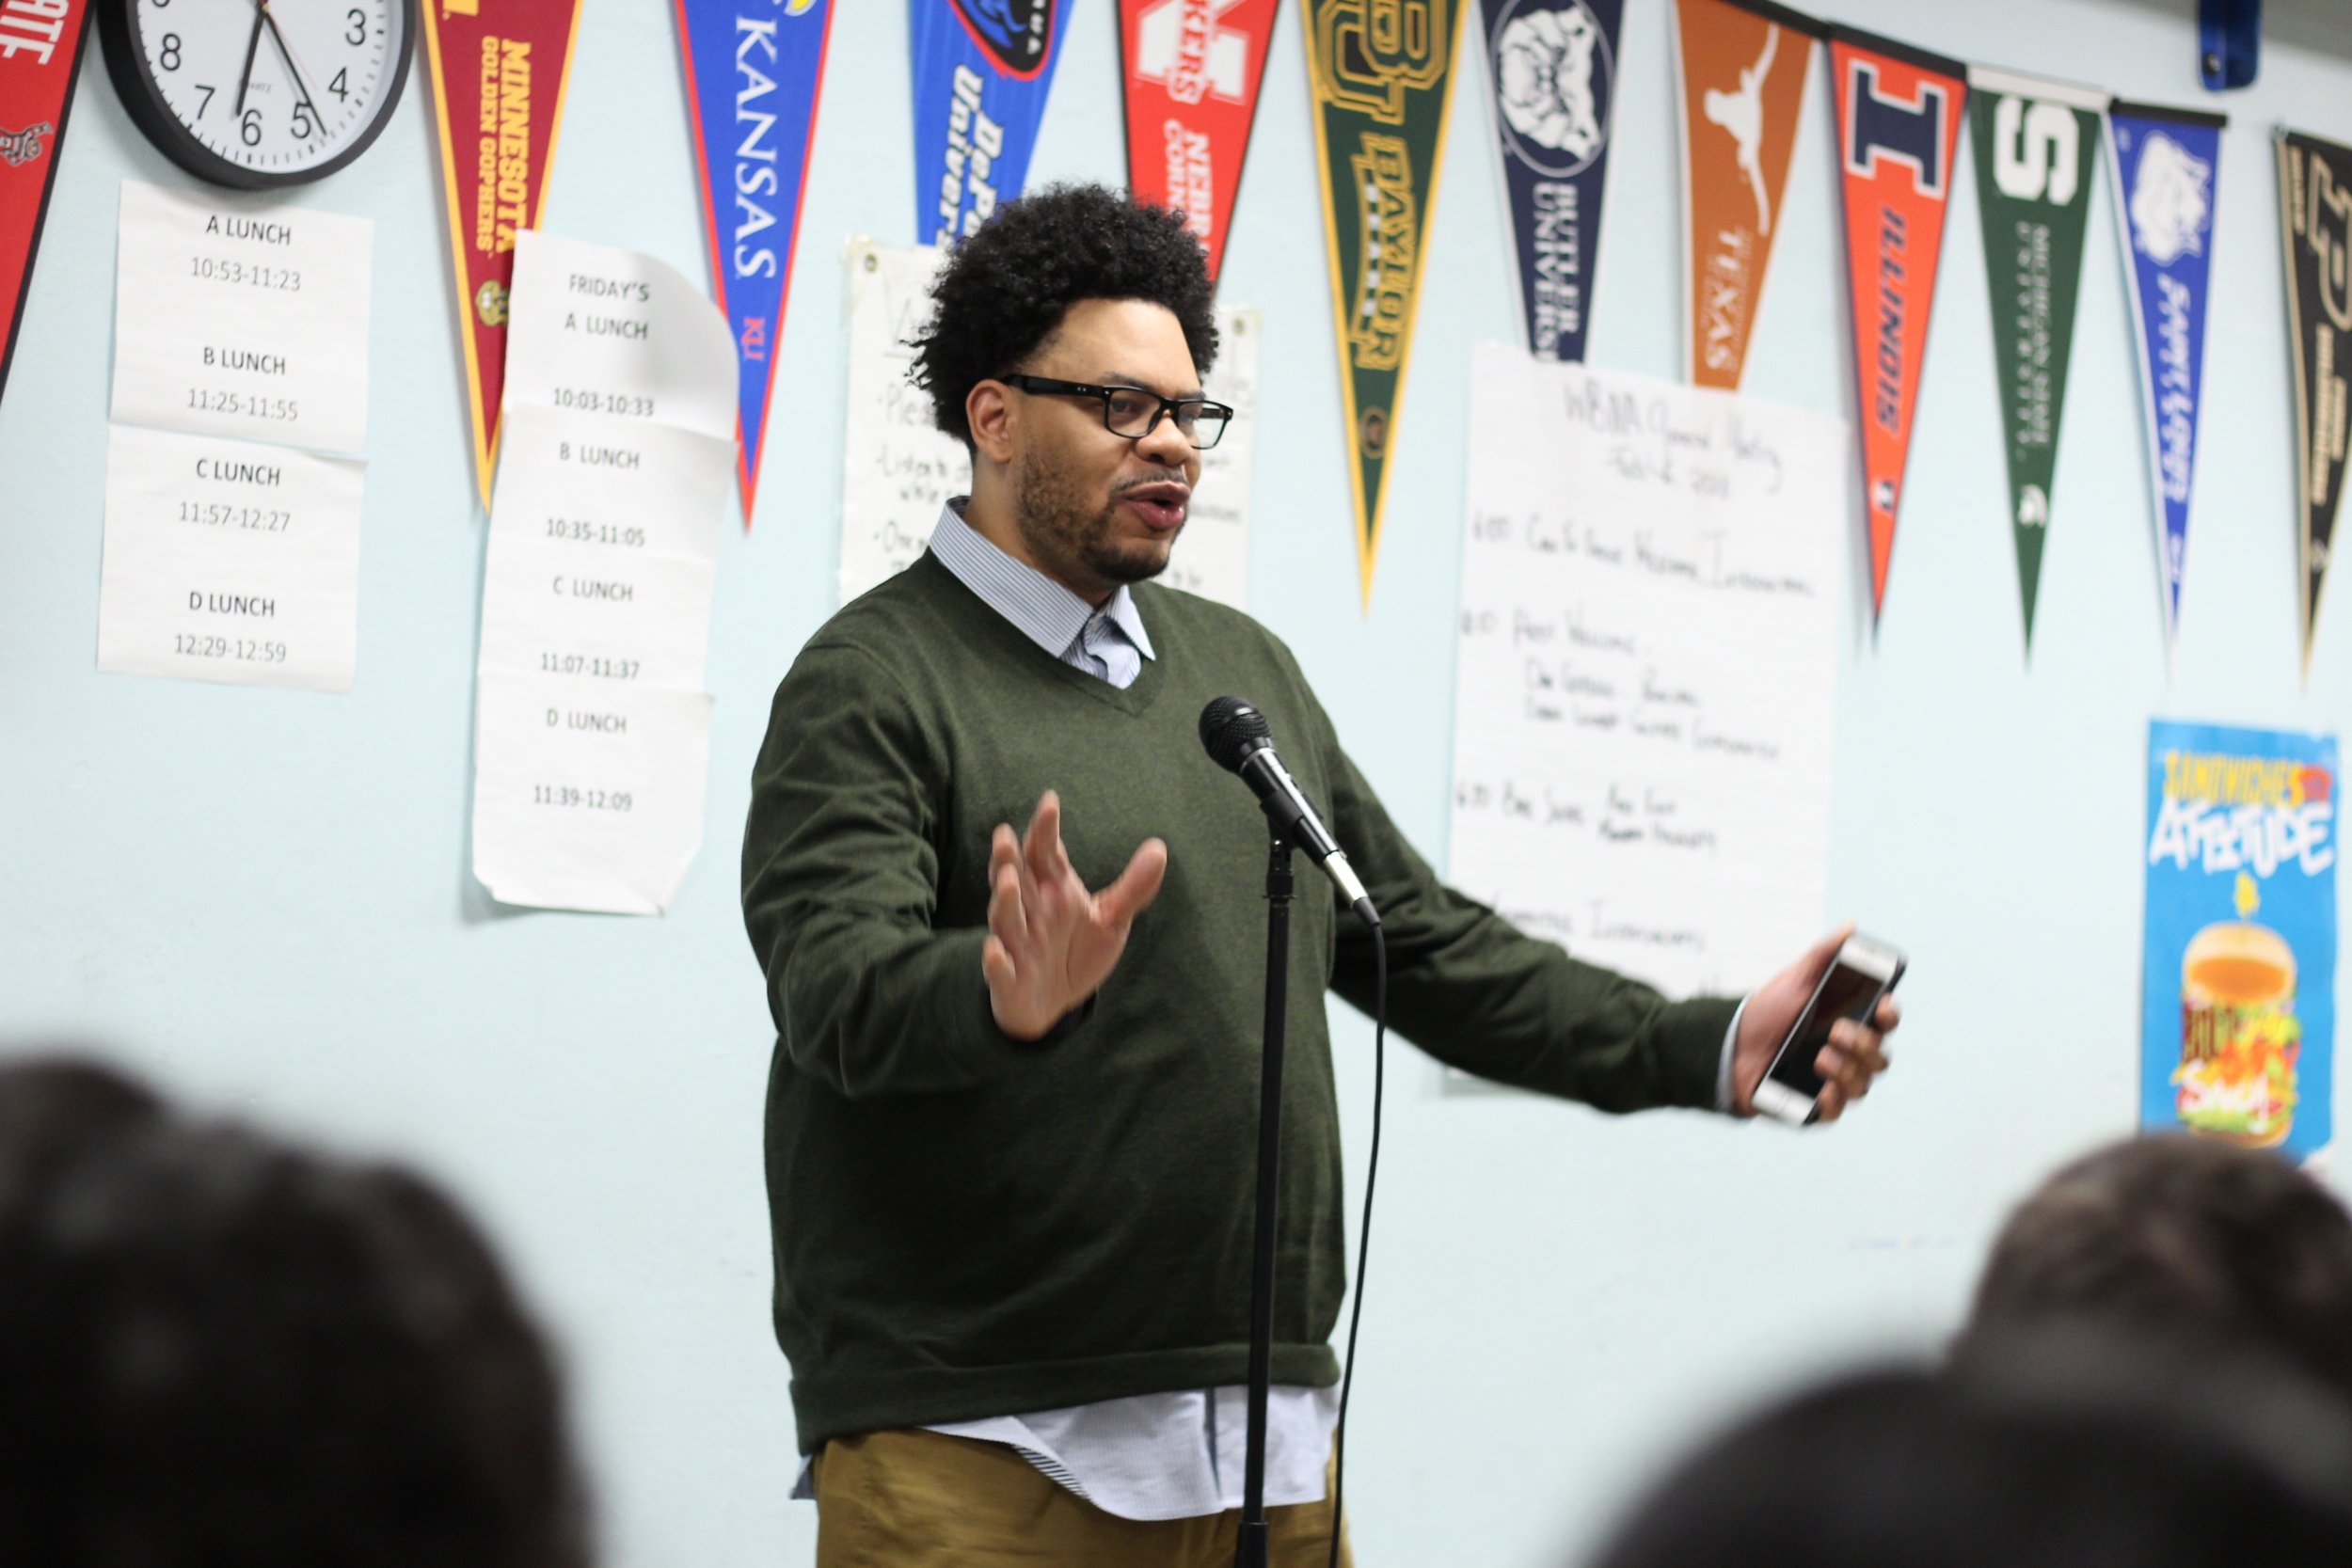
610	484
1645	687
228	562
596	330
628	618
236	318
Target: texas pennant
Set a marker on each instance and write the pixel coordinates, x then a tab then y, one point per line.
1378	81
1899	113
1741	84
981	72
39	51
753	71
2164	162
1551	71
2316	224
2036	147
499	70
1192	69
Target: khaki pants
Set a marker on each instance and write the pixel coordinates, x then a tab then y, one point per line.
923	1500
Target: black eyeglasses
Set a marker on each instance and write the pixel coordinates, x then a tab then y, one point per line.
1132	412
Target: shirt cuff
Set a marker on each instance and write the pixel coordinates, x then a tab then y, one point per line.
1723	1069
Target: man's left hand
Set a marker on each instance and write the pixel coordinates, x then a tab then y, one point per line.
1854	1056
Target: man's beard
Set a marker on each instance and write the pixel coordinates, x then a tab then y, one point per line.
1073	538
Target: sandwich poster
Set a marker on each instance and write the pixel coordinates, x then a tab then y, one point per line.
2238	1013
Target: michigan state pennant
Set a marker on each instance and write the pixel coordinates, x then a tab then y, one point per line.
39	51
499	70
981	72
1899	113
1192	68
2036	147
2165	163
1551	69
2315	228
753	69
1742	85
1378	84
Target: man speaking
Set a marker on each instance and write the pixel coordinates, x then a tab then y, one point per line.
1011	1119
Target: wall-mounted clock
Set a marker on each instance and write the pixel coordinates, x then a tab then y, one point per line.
259	93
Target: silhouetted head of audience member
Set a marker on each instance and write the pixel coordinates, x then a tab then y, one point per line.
2194	1240
53	1105
218	1351
2058	1450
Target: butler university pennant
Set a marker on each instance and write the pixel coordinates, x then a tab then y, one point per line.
39	46
2315	228
981	72
1192	69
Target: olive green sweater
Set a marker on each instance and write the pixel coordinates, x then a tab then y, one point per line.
966	1225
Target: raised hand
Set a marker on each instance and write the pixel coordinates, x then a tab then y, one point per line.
1050	944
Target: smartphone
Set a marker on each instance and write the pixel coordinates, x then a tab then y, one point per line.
1864	971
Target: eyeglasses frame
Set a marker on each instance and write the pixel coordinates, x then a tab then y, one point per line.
1167	409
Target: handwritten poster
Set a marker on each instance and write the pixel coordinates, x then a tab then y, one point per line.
2238	1016
1644	722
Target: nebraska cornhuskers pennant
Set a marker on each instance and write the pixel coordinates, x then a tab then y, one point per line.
2315	228
1377	71
982	69
753	69
39	46
498	72
1742	85
1192	69
1551	74
1899	112
2036	147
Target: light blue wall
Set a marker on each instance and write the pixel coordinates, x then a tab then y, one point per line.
263	897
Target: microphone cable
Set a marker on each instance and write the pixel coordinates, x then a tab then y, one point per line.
1363	1240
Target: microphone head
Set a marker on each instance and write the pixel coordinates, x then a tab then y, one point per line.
1231	729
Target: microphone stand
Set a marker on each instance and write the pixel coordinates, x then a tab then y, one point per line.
1250	1549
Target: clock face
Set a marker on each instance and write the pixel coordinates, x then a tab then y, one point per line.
260	92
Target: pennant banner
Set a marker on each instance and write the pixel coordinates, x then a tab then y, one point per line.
2315	227
2165	163
38	54
2036	147
1551	73
1192	69
499	70
1898	114
1379	91
981	72
1742	86
753	73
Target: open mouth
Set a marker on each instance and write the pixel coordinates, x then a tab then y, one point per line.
1160	505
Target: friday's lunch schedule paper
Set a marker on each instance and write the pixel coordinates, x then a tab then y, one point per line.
1643	707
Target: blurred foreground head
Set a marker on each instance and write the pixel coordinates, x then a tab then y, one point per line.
2052	1450
220	1350
2198	1241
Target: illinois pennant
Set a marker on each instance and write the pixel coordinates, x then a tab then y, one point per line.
1378	73
2316	224
1744	67
753	69
982	69
37	60
1899	113
499	70
1192	69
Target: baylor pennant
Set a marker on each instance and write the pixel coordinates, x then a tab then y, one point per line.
1377	71
2316	223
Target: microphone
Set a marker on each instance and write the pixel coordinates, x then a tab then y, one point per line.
1239	741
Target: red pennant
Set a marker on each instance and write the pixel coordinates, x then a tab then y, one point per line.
1192	69
38	50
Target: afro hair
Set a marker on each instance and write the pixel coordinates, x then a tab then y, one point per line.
1003	292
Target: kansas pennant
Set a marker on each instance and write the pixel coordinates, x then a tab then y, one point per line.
1742	87
981	72
1378	72
1552	70
40	45
1899	113
2037	150
499	70
753	71
2316	224
2165	163
1192	69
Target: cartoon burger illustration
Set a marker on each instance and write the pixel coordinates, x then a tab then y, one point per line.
2239	1035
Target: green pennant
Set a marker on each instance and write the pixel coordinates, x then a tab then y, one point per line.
2037	151
1378	73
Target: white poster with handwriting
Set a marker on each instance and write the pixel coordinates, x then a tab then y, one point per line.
616	464
898	469
1645	682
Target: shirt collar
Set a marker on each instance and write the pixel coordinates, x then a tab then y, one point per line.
1044	611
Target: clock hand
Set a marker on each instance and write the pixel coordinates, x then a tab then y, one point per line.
291	70
252	45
